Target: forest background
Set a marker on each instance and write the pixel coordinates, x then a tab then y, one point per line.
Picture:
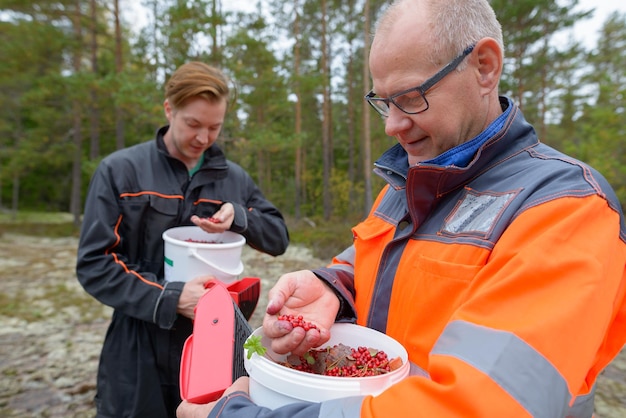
81	78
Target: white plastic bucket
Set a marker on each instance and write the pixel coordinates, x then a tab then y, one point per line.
191	252
273	385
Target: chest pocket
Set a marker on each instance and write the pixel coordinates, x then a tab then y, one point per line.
150	209
435	287
164	212
144	219
439	270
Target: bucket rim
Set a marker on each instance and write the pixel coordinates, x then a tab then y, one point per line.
240	240
273	368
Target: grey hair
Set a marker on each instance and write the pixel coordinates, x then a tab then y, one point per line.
454	25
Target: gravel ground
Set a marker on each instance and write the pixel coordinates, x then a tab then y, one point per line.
51	331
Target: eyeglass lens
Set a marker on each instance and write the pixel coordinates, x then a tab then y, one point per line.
414	101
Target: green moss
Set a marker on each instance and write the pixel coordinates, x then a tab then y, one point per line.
40	224
12	306
56	298
40	229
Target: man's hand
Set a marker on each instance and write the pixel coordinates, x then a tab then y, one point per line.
300	293
191	410
220	221
191	294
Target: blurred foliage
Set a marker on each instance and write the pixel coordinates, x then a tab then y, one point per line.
73	90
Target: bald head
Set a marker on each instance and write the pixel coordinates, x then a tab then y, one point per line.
403	33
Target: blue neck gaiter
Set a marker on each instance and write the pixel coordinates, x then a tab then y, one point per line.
461	155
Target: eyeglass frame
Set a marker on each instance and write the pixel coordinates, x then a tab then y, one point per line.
421	89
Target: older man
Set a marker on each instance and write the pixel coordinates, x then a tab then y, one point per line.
498	262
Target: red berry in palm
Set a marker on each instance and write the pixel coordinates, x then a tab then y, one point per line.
297	321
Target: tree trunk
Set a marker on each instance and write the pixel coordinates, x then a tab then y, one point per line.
367	141
298	115
216	16
119	63
75	199
326	112
94	110
351	122
15	196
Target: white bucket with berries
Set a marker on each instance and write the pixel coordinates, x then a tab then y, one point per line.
327	372
190	252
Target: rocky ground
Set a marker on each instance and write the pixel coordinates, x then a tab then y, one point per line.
51	331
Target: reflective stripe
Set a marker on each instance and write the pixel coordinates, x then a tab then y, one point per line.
418	371
346	256
518	368
583	406
342	408
381	297
393	206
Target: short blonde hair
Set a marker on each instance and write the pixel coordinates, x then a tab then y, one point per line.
196	79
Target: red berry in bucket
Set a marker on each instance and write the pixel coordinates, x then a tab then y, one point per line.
202	241
343	361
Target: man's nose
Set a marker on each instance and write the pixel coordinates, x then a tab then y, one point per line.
203	135
397	121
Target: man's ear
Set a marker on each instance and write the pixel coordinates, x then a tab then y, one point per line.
167	109
489	63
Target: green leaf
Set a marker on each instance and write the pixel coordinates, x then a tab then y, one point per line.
309	358
254	345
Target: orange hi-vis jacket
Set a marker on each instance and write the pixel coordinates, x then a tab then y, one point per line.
505	280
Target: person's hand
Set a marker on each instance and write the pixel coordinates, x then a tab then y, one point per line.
191	294
192	410
219	222
299	293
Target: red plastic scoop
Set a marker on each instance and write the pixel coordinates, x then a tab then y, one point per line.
212	357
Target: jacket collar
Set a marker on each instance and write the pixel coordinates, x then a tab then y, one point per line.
425	185
512	134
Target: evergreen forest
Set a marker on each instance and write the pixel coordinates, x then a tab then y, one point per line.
82	78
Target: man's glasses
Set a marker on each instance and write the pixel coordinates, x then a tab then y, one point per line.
413	100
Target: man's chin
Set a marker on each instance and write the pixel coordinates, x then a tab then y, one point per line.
194	154
414	160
